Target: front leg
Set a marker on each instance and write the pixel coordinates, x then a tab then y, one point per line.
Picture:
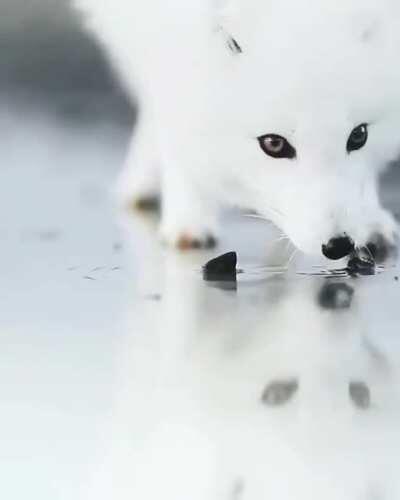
139	183
189	216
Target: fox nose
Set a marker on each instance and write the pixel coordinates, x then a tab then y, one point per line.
338	247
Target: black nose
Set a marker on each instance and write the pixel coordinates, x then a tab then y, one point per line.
338	247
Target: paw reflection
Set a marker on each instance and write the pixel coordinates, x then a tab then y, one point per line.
279	392
360	395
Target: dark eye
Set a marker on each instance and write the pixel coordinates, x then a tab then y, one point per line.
276	146
358	138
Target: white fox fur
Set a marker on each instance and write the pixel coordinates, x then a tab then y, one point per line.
310	71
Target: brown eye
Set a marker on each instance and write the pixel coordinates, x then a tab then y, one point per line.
358	138
276	146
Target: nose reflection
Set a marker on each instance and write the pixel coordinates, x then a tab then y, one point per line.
335	296
220	386
338	247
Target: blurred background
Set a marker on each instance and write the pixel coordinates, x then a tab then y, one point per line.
48	62
64	125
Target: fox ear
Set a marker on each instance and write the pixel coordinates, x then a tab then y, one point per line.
232	44
226	12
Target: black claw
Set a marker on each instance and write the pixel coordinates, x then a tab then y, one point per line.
210	242
150	204
196	244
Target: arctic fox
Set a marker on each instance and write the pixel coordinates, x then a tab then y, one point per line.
289	108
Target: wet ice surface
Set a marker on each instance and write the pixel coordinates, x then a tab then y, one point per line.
125	375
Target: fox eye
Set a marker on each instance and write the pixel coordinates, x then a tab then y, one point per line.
357	138
276	146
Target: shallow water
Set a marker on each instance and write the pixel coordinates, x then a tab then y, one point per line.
125	375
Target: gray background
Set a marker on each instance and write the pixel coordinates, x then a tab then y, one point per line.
47	60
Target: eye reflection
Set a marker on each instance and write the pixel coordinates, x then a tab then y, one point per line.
279	392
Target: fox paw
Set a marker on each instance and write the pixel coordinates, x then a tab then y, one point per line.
189	239
188	242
